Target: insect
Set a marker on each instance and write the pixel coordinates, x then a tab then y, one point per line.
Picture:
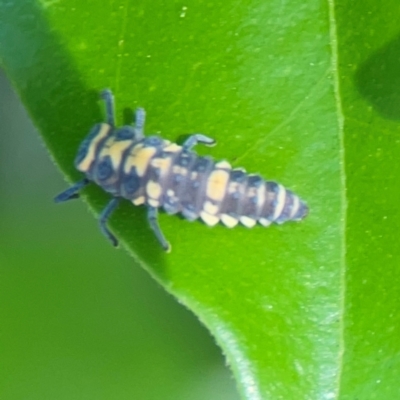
153	171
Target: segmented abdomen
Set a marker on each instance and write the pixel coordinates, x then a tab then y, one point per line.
163	174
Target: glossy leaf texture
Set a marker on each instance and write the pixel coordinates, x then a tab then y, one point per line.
305	93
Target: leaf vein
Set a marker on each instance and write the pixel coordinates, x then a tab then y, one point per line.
339	108
311	94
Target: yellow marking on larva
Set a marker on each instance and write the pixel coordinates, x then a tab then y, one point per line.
153	190
136	149
129	162
105	150
260	196
178	170
138	201
210	208
223	165
229	221
247	221
172	148
280	202
116	151
295	206
210	220
153	203
84	165
194	175
264	222
140	159
163	164
216	184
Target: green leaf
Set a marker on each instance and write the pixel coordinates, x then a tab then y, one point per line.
304	93
370	90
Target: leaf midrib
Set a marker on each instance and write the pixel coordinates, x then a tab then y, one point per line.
340	116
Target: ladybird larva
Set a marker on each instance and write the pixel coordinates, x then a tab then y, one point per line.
153	171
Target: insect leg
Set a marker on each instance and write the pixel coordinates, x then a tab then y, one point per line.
196	138
108	98
152	214
105	214
72	192
140	117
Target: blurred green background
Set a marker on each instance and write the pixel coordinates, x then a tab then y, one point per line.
79	319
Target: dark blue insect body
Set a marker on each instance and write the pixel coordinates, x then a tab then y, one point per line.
157	173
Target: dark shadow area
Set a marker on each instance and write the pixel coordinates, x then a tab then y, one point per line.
181	139
128	115
378	80
64	110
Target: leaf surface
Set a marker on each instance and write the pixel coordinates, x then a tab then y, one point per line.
289	90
